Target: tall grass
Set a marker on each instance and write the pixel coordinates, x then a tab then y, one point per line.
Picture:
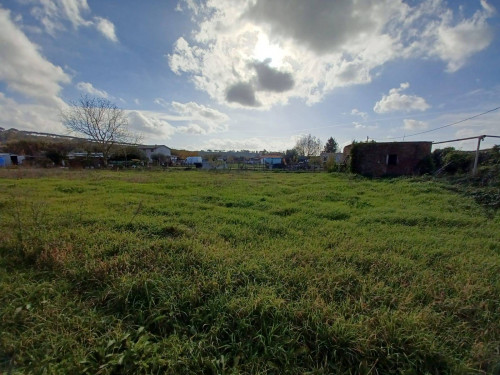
225	273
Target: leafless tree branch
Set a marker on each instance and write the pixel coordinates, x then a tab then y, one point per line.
100	120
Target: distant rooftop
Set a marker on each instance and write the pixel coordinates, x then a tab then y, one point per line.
151	146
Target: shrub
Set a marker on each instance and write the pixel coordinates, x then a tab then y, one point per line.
439	154
426	165
458	161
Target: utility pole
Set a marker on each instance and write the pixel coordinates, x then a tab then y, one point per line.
479	139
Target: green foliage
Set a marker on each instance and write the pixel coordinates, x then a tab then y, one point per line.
332	166
438	156
183	154
134	272
331	145
56	151
308	145
426	165
458	161
125	153
291	156
494	155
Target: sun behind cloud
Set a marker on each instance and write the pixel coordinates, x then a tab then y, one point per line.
265	50
321	45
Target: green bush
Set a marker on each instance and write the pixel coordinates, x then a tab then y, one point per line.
426	165
332	166
439	154
458	162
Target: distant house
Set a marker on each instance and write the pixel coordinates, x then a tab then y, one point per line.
272	159
150	150
197	161
254	160
5	160
387	158
82	159
337	157
88	155
10	159
193	160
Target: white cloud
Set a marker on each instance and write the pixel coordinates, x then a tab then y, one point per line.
311	49
24	69
457	43
358	125
396	101
35	117
356	112
161	102
90	89
199	110
150	124
414	124
54	14
188	118
234	50
447	37
106	27
195	118
324	26
252	144
185	57
202	119
191	129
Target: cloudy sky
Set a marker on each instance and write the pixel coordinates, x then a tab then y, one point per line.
257	74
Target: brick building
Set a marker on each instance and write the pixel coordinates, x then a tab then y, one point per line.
387	158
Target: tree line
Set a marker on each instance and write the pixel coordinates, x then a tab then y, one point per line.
308	146
106	127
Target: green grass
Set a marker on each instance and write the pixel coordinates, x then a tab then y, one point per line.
225	273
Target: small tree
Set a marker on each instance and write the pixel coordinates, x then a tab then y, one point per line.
58	151
308	145
331	145
99	119
291	156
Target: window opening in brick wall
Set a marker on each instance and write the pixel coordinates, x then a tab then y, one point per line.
392	159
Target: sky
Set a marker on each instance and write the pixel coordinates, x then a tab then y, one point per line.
257	74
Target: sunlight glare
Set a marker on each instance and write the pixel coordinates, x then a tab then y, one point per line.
265	50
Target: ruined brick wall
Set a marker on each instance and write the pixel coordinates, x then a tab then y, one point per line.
387	159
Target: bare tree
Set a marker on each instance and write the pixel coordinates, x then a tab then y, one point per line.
99	119
308	145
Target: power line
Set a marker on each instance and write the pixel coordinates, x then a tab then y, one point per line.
466	139
447	125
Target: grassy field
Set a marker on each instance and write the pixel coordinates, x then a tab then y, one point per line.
226	273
